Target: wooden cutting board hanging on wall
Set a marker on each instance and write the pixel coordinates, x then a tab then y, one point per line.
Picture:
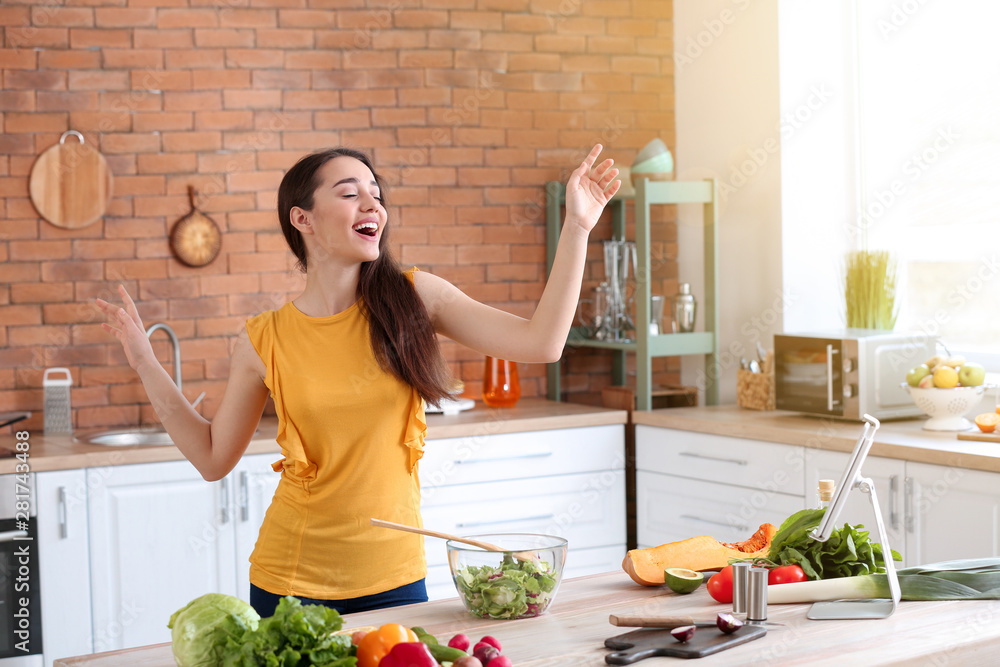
70	183
195	238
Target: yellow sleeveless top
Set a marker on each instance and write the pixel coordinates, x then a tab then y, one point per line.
351	435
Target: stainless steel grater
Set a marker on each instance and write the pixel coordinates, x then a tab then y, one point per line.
58	416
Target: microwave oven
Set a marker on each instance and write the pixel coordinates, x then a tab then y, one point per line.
848	373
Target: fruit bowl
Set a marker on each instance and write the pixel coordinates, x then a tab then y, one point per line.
946	407
519	583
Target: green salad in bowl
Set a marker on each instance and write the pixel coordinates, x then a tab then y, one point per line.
520	582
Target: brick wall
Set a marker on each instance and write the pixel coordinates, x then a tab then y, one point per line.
469	107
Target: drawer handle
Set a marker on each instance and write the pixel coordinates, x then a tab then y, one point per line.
739	526
63	514
244	496
908	492
893	492
11	535
224	501
537	455
474	524
739	462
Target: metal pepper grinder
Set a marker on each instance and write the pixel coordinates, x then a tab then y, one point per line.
685	308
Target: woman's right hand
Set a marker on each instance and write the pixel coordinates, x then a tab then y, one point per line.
126	325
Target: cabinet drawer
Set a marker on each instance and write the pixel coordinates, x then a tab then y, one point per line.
488	458
672	508
586	509
718	458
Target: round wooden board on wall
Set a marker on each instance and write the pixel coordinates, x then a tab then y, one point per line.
195	239
70	183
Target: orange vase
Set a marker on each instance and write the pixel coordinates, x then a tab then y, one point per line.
501	388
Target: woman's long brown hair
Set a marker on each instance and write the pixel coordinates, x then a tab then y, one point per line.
401	331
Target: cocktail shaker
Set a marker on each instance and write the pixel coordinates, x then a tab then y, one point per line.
685	309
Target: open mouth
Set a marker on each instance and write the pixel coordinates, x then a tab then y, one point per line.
369	229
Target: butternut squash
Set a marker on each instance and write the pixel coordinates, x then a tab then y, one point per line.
646	566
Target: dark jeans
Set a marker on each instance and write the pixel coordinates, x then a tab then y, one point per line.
264	603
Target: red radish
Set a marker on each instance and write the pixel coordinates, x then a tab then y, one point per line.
461	642
501	661
492	641
467	661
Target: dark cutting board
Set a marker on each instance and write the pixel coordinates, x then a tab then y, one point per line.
648	642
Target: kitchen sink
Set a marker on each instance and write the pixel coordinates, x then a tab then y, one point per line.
130	438
127	438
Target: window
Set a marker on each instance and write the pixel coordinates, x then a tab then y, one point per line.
915	108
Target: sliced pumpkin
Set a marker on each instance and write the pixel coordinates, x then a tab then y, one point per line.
646	566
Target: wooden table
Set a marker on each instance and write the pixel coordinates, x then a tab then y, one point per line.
573	631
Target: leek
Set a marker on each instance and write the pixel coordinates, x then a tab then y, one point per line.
967	579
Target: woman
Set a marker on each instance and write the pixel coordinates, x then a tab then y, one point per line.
349	364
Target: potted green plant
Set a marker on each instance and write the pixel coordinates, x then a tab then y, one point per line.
870	290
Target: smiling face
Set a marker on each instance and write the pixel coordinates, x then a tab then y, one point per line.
347	218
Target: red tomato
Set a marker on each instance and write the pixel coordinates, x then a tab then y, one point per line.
786	574
720	585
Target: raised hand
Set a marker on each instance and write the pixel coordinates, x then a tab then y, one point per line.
126	325
589	189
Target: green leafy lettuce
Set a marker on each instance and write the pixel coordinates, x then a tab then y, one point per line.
200	629
217	629
296	636
515	589
847	553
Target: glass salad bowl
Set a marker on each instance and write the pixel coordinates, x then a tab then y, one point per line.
520	582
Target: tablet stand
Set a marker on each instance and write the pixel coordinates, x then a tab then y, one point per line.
852	479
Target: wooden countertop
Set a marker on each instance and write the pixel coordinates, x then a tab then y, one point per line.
904	439
48	453
573	631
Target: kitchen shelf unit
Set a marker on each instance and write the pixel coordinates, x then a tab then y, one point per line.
648	194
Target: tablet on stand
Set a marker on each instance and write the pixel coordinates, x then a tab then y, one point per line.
852	479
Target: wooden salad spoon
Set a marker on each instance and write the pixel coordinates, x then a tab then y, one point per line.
485	546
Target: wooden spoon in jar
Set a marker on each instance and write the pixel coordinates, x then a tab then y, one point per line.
485	546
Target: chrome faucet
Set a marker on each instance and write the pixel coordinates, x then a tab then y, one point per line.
176	346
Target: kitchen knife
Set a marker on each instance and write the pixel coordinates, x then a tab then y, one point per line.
656	621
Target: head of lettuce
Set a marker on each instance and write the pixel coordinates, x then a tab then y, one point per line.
200	629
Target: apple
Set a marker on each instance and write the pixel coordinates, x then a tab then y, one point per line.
916	374
971	374
927	382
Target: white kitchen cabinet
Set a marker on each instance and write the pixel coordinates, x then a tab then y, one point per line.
160	536
889	477
672	508
566	482
254	482
63	563
690	484
951	513
932	513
